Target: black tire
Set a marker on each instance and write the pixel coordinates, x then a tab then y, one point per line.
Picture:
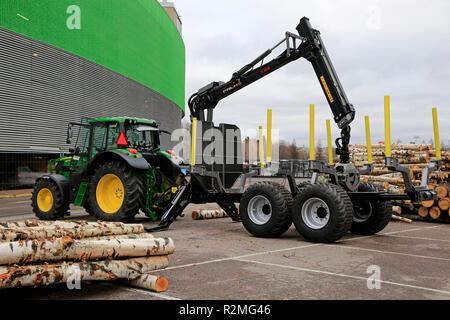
280	201
132	193
57	208
332	204
87	208
370	216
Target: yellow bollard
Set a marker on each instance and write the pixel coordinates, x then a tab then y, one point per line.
193	140
261	146
387	127
330	146
368	141
269	135
436	135
312	153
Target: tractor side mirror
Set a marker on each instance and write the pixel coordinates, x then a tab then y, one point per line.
69	134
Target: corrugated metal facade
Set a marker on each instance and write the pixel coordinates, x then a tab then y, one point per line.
42	88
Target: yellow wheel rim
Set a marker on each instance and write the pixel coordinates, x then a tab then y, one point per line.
45	200
110	193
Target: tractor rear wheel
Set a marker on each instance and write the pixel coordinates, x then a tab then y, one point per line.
115	193
322	212
265	209
371	216
48	201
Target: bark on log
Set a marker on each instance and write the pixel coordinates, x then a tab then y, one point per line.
82	250
30	233
423	212
123	236
396	181
149	282
435	213
404	204
45	274
394	146
208	214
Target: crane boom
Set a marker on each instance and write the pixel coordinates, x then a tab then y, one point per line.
310	46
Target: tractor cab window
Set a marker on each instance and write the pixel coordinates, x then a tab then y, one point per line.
142	136
112	136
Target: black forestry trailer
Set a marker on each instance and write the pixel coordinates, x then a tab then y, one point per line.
321	212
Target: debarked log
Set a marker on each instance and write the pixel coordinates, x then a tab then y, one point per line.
45	274
79	232
82	250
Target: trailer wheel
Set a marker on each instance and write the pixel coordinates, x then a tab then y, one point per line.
87	207
47	201
322	212
371	216
115	193
265	209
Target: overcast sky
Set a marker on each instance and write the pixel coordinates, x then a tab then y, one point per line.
396	48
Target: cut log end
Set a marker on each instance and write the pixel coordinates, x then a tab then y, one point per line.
428	204
435	213
423	212
161	284
441	191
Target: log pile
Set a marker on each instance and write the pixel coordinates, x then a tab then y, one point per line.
416	157
35	253
208	214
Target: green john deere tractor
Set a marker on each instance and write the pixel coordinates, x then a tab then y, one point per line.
115	170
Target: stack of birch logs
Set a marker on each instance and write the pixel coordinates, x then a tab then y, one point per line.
415	157
36	253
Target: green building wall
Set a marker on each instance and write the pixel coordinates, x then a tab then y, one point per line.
135	38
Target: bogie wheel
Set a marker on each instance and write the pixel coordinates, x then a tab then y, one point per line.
115	193
322	212
87	208
265	209
371	216
47	200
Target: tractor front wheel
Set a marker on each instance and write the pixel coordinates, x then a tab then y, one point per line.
115	193
47	201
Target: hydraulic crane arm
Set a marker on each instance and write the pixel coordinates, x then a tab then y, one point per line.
310	47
